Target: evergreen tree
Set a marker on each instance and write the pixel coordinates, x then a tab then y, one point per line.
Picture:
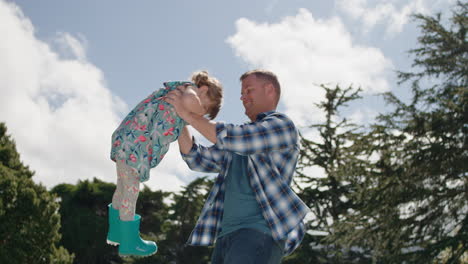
338	153
186	209
178	224
414	204
85	220
9	157
29	232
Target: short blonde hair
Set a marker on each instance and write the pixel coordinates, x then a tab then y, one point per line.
215	91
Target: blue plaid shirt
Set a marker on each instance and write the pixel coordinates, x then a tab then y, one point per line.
272	146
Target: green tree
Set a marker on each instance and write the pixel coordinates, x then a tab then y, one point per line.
186	209
84	219
178	224
337	152
29	232
414	204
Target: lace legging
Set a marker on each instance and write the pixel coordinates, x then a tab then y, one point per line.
126	193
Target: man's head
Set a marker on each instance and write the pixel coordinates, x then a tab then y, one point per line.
260	92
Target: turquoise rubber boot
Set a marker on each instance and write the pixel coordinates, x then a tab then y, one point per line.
130	241
113	234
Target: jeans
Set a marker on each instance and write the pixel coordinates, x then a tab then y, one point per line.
247	246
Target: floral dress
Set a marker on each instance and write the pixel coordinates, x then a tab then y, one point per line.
143	137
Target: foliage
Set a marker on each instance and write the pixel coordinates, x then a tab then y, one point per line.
29	232
337	151
413	206
178	224
9	156
84	217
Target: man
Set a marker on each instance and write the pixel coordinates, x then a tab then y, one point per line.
251	211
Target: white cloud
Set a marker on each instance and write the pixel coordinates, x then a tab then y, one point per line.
58	109
304	52
164	176
394	14
71	47
362	116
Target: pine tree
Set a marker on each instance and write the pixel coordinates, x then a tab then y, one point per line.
414	203
337	152
185	211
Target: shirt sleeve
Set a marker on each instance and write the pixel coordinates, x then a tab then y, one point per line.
272	133
204	159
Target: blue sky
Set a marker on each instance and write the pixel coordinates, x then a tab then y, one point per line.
70	70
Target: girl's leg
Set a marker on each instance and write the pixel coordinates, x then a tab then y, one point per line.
117	197
130	186
129	224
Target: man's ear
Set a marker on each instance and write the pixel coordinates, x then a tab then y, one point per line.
270	89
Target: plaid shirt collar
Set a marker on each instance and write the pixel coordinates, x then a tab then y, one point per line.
263	115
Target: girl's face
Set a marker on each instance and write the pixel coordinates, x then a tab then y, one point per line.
204	99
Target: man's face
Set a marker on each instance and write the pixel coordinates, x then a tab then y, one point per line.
254	97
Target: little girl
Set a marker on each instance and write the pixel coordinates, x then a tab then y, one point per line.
140	143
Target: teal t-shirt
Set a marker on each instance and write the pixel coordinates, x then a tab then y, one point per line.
241	209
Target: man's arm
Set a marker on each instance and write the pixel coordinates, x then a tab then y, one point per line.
185	141
275	132
206	127
197	157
